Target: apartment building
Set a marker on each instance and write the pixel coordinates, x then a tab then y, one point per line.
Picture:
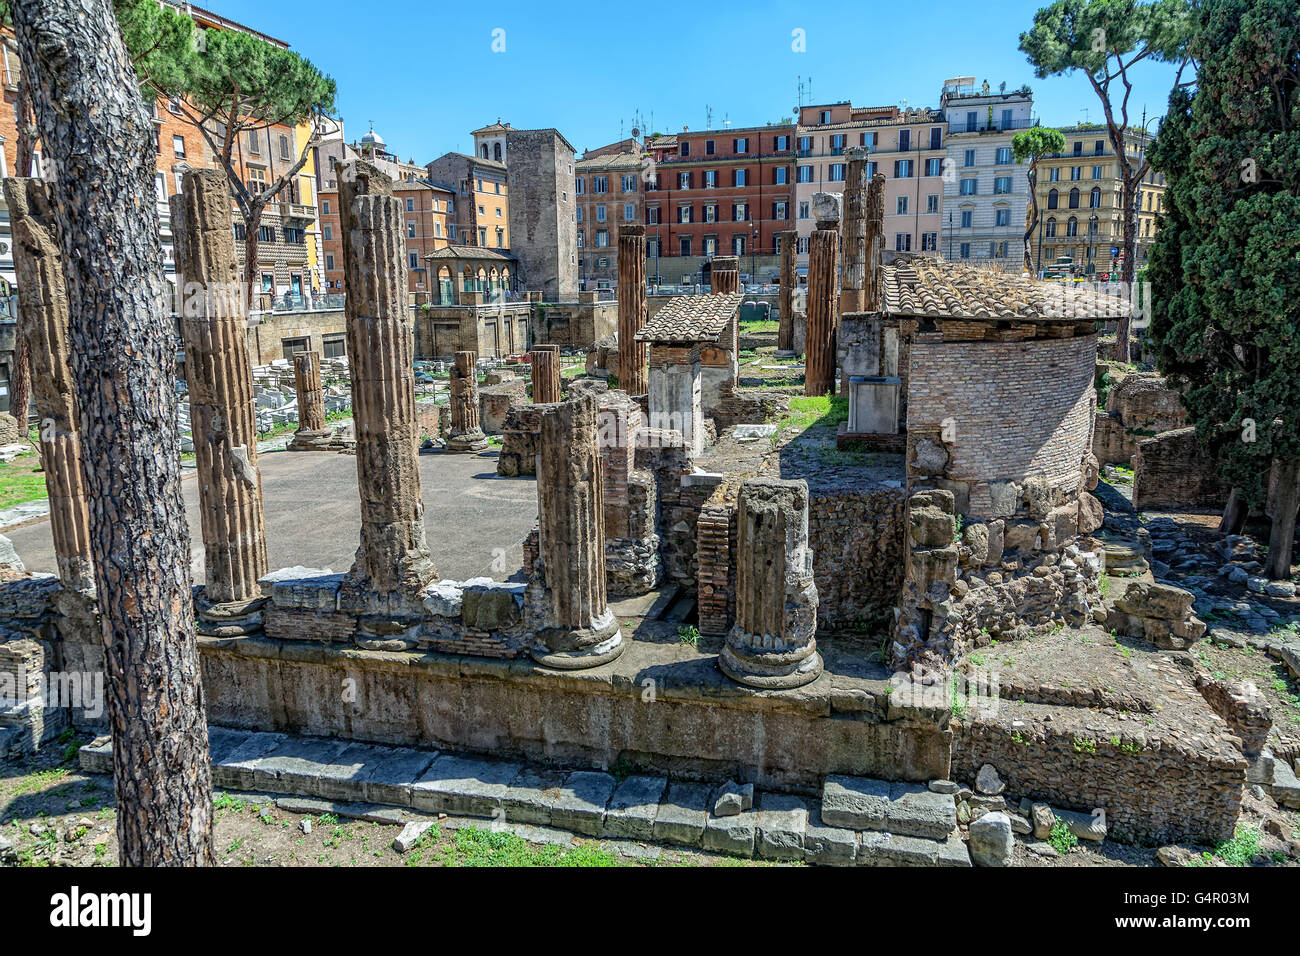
482	194
718	192
986	192
1080	203
908	146
608	188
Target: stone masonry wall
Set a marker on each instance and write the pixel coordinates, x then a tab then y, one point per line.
858	542
1174	470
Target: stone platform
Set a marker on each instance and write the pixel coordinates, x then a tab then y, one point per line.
857	821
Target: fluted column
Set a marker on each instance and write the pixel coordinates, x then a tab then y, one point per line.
725	274
393	562
632	376
546	374
772	644
312	433
582	631
819	349
854	278
223	419
465	434
43	323
874	243
789	278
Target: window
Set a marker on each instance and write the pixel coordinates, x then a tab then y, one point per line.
335	346
1076	173
284	148
740	212
932	203
805	210
802	245
241	232
178	146
779	210
684	245
1053	199
652	215
969	187
266	234
600	184
684	150
902	168
904	140
1004	156
173	104
903	242
709	147
804	174
652	247
325	207
1051	229
741	145
967	218
1002	186
1074	198
1006	119
1072	227
1099	148
738	244
579	186
1078	148
710	212
825	117
254	144
929	242
1054	174
602	238
629	212
684	214
968	158
741	177
683	180
837	144
934	167
837	171
582	242
1002	217
437	229
578	214
780	143
329	261
410	229
482	236
1096	172
902	205
160	187
965	250
710	245
1094	198
268	283
710	178
410	204
629	183
413	260
779	175
972	121
600	212
805	144
936	137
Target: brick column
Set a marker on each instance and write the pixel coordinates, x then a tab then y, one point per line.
632	313
393	562
789	280
874	243
772	644
819	357
465	434
546	374
725	274
855	232
581	630
312	432
223	419
43	323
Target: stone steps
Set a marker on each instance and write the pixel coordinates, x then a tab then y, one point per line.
866	822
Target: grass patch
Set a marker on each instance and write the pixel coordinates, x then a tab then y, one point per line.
477	847
826	410
22	480
689	634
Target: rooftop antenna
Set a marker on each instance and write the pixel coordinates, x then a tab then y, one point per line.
726	121
1085	114
708	116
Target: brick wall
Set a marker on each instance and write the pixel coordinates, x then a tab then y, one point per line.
1173	470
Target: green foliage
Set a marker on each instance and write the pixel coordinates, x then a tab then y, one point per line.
1223	269
1062	838
689	634
1242	849
1065	38
1031	145
1085	745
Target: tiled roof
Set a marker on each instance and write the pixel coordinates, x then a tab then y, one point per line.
933	287
692	318
470	252
611	161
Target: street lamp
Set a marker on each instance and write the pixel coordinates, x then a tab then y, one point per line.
1092	232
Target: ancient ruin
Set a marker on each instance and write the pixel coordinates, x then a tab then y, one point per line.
631	309
465	435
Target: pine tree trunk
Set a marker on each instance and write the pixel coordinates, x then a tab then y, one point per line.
96	129
1234	513
1128	267
252	271
1281	539
20	382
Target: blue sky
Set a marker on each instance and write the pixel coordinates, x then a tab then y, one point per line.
426	73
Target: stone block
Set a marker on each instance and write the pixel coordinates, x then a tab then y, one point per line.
464	786
733	798
826	845
991	840
633	807
1021	535
529	797
390	780
858	803
890	849
295	765
735	835
491	607
931	527
579	803
683	813
915	810
236	770
782	822
300	588
1152	599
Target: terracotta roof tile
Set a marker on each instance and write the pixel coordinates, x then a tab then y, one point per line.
692	318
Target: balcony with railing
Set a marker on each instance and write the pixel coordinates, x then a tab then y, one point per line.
994	126
296	211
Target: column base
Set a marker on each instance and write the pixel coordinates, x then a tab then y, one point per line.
230	619
470	441
785	354
380	633
768	670
314	441
579	648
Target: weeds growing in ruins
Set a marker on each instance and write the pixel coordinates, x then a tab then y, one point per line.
1062	838
689	634
1085	745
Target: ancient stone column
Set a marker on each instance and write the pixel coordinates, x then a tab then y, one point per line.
581	630
43	323
312	433
874	244
823	300
854	278
223	420
546	374
632	377
465	434
393	563
725	275
789	257
772	644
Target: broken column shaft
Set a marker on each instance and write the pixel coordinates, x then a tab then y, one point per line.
772	644
546	374
393	562
855	232
874	244
581	629
632	376
465	434
312	430
819	347
223	415
789	240
43	323
725	274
